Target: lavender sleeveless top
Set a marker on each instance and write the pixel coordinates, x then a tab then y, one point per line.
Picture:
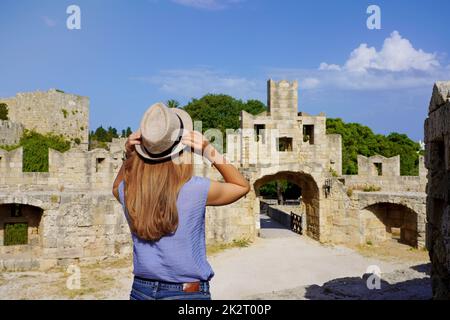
181	256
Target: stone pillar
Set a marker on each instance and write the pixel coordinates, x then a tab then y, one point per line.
437	161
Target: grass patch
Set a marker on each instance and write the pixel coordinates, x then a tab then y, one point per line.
334	173
391	250
365	188
349	192
217	248
10	147
93	281
371	188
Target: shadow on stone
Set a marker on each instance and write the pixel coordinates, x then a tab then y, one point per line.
407	284
423	268
268	223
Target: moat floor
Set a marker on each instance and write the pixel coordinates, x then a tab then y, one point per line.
278	265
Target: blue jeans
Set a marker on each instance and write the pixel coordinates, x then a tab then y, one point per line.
158	290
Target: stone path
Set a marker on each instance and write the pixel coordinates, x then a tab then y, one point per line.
283	265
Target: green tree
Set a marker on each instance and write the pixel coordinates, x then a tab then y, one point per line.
359	139
281	190
100	134
112	133
3	111
172	103
221	111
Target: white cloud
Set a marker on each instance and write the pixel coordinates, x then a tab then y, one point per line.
350	80
190	83
48	21
397	54
326	66
309	83
207	4
397	65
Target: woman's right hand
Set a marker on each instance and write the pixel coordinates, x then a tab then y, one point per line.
133	139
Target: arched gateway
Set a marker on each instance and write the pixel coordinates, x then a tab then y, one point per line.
309	196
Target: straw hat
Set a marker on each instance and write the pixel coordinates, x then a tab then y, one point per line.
161	131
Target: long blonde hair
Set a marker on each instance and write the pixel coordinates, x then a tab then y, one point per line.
151	191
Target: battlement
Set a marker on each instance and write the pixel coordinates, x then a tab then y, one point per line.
10	132
378	165
71	170
52	111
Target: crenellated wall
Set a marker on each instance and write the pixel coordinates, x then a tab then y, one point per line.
10	132
389	180
82	221
72	170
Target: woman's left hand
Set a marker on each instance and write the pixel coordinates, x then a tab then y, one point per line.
133	139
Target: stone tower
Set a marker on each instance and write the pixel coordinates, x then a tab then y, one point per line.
52	111
282	99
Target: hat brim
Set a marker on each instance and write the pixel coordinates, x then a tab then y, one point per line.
187	126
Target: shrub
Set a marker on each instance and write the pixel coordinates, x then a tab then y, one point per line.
35	149
3	111
371	188
334	173
65	113
15	234
349	192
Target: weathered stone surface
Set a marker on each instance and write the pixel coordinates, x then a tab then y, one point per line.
437	160
10	132
51	111
440	96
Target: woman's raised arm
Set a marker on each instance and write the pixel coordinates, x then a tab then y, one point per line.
235	185
133	139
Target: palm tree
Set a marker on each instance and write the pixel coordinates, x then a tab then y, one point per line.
172	103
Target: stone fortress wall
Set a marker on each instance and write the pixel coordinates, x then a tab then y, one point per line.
437	160
283	143
79	219
10	132
51	111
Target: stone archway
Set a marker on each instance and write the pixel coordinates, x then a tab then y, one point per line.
20	229
309	194
382	221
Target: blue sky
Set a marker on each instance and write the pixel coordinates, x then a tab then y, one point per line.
130	54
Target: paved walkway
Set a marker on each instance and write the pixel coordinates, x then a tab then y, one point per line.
281	260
